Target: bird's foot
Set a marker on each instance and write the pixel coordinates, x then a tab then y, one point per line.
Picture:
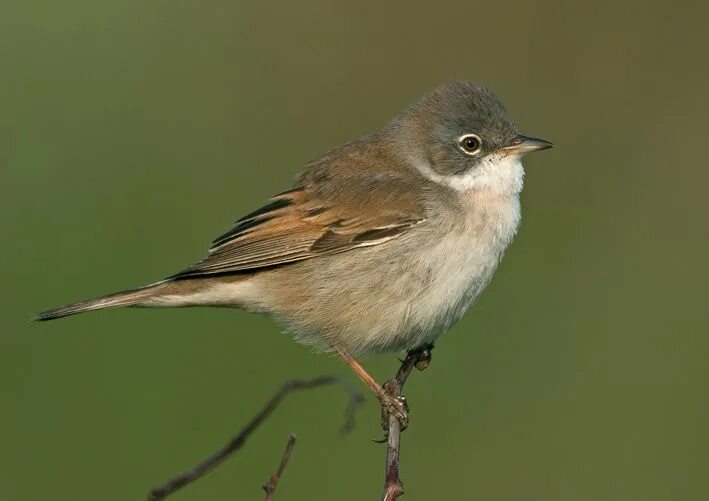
424	357
393	405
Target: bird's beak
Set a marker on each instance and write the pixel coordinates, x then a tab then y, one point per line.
521	145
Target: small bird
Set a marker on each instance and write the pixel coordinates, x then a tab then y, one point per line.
380	245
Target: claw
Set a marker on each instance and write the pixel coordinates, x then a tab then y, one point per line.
394	405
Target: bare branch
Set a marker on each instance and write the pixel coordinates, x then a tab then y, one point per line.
270	487
239	440
420	359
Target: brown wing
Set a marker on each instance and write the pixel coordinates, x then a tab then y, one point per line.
303	223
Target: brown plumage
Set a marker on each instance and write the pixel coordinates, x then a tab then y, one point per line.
304	223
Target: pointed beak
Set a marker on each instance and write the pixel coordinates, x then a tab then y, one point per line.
521	145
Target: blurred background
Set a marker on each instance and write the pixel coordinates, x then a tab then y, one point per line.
132	133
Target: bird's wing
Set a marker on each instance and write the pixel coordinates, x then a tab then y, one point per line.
311	221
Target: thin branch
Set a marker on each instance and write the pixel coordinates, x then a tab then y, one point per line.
420	359
270	487
239	440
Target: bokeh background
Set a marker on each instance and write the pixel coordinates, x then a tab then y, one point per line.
132	133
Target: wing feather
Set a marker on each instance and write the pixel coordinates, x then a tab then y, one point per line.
302	224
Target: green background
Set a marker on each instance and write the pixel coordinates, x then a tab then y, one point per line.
132	133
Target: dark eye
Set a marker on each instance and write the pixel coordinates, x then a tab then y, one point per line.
470	144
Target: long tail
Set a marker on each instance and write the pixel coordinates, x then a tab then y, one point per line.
124	298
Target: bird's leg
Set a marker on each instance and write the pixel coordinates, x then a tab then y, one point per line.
392	404
418	357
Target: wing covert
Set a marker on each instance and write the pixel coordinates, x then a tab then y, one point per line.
302	223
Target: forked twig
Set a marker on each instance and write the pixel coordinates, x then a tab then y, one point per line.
270	487
420	359
238	441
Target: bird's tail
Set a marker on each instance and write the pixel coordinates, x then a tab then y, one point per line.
132	297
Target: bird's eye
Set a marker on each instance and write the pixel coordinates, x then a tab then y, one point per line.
470	144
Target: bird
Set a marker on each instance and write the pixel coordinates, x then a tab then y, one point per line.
380	245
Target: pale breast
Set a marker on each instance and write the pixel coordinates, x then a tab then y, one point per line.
462	264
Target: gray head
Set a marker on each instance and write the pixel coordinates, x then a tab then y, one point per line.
459	127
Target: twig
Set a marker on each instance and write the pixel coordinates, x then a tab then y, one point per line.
238	441
270	487
420	359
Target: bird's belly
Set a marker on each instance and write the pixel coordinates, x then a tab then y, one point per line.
389	297
460	269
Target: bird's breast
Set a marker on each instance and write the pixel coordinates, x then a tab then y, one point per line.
463	259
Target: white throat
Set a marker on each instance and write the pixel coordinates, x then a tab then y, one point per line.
500	174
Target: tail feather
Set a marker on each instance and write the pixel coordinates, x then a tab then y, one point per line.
123	298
